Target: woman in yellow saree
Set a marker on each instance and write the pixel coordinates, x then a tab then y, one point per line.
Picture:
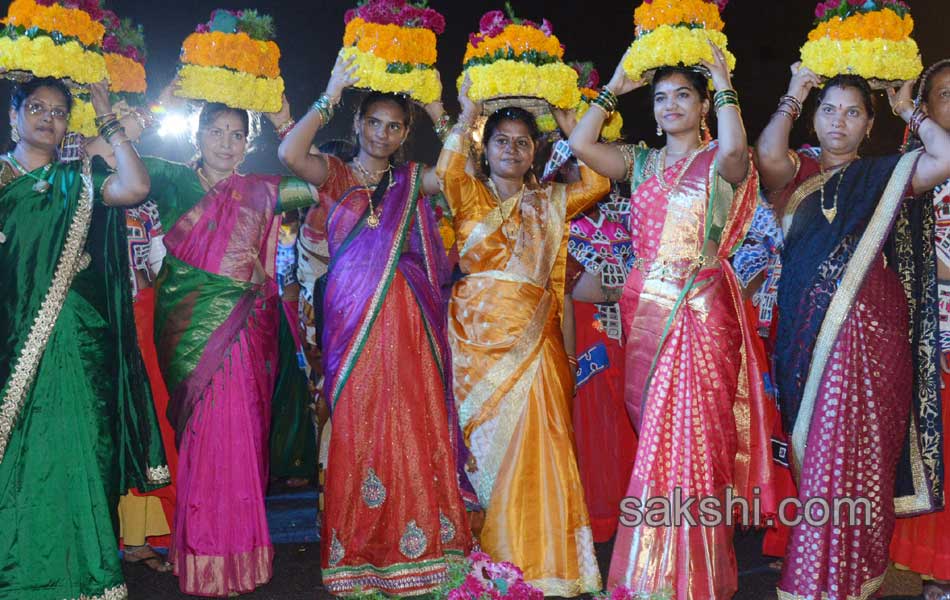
513	378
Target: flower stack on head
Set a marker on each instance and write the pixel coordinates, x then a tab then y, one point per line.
42	38
870	38
513	61
673	33
394	45
124	51
232	59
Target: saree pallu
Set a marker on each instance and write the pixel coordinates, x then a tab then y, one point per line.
512	380
77	425
693	384
921	543
856	352
216	331
394	514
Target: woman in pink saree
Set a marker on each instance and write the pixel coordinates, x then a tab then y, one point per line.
216	324
693	388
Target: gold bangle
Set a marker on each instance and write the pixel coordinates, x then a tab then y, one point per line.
896	112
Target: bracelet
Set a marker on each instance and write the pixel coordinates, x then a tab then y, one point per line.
896	112
726	97
285	128
443	125
916	120
101	119
124	140
606	100
782	111
793	105
604	110
325	107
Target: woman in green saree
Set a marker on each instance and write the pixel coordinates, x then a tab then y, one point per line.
77	426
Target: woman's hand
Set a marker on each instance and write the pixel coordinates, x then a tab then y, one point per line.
282	116
470	108
341	77
804	80
718	68
902	100
99	94
566	119
620	83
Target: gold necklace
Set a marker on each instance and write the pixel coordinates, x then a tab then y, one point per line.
205	179
659	168
373	219
42	185
506	224
831	213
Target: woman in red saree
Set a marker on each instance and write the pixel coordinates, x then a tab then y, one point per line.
693	389
856	354
394	514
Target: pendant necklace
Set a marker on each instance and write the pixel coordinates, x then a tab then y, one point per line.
831	212
42	185
372	220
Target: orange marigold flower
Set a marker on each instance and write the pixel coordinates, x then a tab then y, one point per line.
650	15
71	22
392	43
879	24
125	75
236	51
519	38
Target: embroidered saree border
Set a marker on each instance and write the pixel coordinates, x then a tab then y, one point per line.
374	306
867	250
27	363
119	592
868	588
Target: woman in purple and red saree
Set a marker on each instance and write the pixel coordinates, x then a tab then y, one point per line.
394	514
693	385
856	353
216	325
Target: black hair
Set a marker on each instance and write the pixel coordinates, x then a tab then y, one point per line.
24	90
399	100
697	80
856	82
509	113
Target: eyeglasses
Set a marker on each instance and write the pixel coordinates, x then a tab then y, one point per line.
38	108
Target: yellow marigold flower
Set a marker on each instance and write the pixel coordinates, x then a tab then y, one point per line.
237	51
610	131
237	89
82	118
421	84
71	22
555	82
392	43
652	15
519	38
44	58
884	24
669	46
882	59
125	74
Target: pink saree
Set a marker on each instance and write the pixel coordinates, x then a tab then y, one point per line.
693	388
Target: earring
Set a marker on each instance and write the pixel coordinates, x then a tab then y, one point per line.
14	133
704	131
659	130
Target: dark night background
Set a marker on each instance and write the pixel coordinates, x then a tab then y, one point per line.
765	36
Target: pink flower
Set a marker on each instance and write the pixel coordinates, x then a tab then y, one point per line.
492	23
111	44
546	27
505	570
203	28
349	15
524	591
622	593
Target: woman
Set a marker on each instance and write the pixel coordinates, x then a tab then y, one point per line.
393	511
216	325
599	248
513	380
857	276
689	370
921	543
78	427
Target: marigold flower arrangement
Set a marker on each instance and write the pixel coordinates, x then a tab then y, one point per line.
870	38
124	48
233	59
511	58
589	80
394	43
675	32
43	38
